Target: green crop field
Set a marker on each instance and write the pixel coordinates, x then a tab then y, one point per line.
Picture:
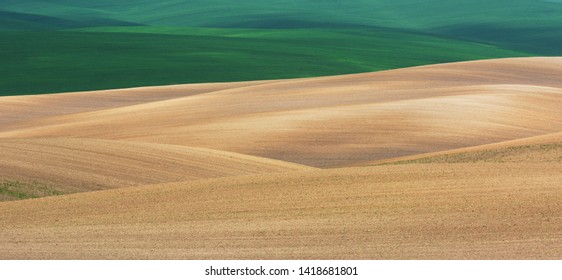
74	61
63	45
418	14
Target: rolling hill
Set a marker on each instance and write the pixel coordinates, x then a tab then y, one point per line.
421	14
450	161
335	121
280	129
114	44
78	165
10	21
423	211
538	149
48	62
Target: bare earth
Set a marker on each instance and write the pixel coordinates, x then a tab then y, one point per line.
91	164
452	161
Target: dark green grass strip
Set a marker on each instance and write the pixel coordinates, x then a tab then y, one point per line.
56	61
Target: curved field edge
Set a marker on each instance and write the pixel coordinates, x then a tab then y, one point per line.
17	189
35	166
121	60
416	211
542	148
335	121
527	153
476	210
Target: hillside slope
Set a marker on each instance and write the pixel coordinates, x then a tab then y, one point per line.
527	25
130	44
18	21
283	13
78	165
543	148
335	121
64	61
488	189
427	211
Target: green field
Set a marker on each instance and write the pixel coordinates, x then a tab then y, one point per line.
62	45
408	14
46	62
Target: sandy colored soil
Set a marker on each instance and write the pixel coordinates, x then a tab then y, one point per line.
425	211
452	161
17	111
539	149
335	121
91	164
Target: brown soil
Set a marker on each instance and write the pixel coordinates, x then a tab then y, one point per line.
415	211
222	171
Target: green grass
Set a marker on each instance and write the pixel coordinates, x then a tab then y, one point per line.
10	21
57	61
536	39
17	190
288	39
418	14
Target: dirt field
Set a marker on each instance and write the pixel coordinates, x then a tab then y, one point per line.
423	211
336	121
91	164
452	161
